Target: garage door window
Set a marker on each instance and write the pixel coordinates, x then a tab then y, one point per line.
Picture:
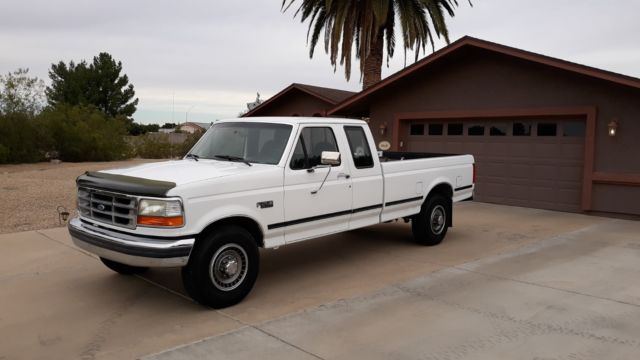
476	130
417	129
573	128
498	130
454	129
435	129
547	129
521	129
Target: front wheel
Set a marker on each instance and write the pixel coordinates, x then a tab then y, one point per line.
430	224
222	267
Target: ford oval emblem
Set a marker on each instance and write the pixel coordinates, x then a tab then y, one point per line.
100	207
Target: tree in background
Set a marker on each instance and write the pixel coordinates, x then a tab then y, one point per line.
136	129
20	93
369	24
99	84
169	126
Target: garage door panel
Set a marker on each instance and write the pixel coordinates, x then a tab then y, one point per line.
521	150
545	150
534	171
572	151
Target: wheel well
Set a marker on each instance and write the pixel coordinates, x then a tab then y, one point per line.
442	189
447	191
248	224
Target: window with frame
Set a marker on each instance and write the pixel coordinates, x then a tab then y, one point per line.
455	129
475	130
436	129
521	128
498	129
311	143
359	146
573	128
547	129
416	129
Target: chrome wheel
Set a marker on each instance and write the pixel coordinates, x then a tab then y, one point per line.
437	219
228	267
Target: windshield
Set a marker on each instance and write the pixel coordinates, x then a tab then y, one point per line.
252	142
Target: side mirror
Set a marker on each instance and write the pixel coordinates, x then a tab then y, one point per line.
330	158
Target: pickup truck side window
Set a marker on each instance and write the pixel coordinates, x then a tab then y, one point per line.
312	142
360	150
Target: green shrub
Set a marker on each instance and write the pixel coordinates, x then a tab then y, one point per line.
154	146
22	139
191	140
160	146
82	133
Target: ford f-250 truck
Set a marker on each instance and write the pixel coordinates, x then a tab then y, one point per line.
260	183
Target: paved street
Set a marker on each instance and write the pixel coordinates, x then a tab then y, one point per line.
507	282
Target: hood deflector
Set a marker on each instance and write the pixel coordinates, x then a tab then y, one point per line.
124	184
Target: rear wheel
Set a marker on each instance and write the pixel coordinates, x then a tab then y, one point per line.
430	224
121	268
222	267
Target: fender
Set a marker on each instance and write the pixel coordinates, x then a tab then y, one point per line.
271	238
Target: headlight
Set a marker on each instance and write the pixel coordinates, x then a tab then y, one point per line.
160	213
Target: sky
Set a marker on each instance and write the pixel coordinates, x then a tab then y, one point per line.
204	60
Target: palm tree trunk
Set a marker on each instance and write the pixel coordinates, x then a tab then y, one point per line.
372	71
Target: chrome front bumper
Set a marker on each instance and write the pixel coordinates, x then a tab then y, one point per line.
135	250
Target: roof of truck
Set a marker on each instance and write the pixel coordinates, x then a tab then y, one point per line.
295	120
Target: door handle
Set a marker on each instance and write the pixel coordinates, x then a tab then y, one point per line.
343	175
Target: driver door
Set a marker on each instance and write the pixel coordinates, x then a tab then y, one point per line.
327	211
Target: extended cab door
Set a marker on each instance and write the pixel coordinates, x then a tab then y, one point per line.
366	177
327	211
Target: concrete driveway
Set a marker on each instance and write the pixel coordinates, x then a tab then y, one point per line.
507	282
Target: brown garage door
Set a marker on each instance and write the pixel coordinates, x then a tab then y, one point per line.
533	163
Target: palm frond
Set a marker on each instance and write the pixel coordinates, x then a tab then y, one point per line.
367	23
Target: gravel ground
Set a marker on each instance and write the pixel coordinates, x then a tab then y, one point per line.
30	193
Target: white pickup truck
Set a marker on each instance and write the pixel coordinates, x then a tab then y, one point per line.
260	183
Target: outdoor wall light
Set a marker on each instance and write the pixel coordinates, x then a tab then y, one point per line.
383	128
613	127
63	214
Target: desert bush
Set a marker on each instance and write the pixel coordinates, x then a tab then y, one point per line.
82	133
153	146
188	143
22	138
160	146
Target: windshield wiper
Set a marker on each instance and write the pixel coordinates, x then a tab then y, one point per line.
192	156
232	158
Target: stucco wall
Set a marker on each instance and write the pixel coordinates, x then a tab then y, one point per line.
475	79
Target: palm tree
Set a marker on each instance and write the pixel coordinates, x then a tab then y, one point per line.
371	24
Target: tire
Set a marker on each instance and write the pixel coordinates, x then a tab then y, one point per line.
222	268
430	224
121	268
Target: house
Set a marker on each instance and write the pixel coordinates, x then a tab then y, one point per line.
193	127
546	133
300	100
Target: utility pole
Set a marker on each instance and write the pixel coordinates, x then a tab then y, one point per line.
186	115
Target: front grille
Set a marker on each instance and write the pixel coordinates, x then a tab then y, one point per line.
107	207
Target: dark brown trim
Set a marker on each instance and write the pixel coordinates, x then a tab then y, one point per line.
587	112
294	86
616	179
498	48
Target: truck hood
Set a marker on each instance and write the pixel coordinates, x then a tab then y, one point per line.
185	171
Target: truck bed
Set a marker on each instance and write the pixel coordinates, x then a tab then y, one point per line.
411	175
387	156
